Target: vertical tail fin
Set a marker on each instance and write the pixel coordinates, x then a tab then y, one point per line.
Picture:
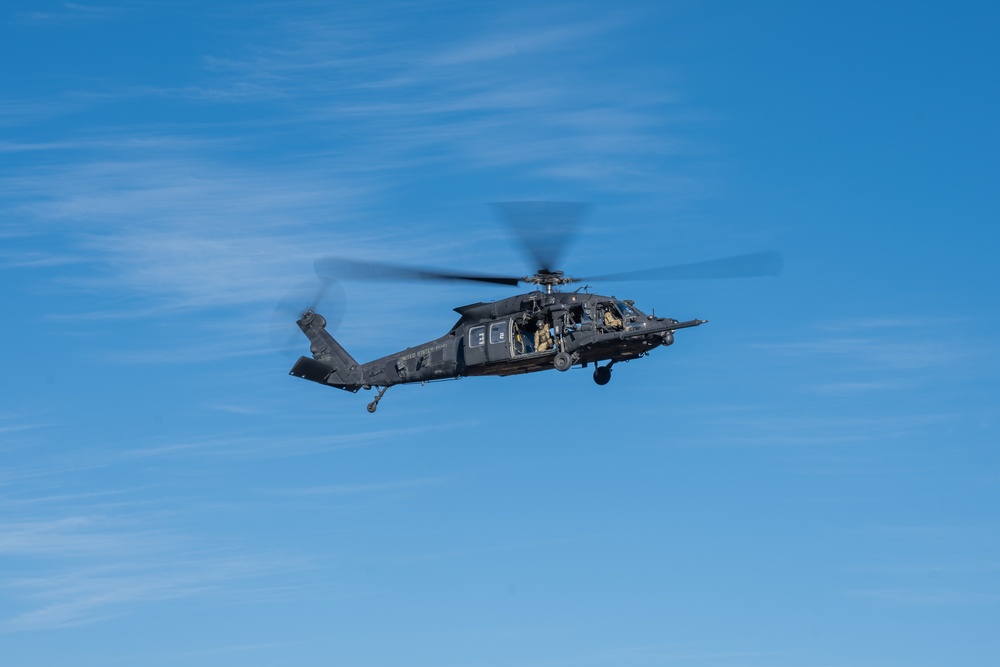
331	364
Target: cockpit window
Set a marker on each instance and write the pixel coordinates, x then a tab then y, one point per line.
627	310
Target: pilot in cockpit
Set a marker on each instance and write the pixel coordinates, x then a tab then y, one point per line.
611	319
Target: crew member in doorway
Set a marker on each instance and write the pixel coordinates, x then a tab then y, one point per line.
543	339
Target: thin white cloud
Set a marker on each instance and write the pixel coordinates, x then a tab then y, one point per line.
76	498
466	99
183	232
929	569
75	535
16	423
888	355
87	595
926	597
26	112
34	259
236	409
495	548
237	445
828	427
861	387
897	352
90	555
519	43
170	219
354	489
71	12
907	323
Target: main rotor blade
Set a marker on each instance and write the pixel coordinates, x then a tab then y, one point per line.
753	265
348	268
544	228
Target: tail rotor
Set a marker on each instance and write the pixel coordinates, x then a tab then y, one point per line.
322	294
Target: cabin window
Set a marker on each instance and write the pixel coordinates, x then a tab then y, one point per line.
498	333
477	336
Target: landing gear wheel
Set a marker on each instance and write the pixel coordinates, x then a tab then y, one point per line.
562	362
372	406
602	375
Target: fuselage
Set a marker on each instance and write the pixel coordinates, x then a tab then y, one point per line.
523	334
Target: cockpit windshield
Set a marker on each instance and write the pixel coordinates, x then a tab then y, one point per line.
627	309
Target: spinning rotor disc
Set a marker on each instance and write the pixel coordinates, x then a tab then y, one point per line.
544	230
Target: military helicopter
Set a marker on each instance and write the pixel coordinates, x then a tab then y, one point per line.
544	329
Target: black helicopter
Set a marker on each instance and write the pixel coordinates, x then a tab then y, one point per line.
537	331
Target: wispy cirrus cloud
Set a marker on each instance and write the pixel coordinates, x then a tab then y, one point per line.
13	422
520	42
80	596
773	428
363	488
516	95
75	535
88	556
929	569
71	12
242	445
871	355
925	597
896	351
81	552
179	231
170	215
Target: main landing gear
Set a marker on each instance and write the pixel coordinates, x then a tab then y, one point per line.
373	406
602	374
562	362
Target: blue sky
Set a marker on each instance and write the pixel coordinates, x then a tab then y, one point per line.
809	480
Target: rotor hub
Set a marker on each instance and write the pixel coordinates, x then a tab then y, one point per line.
549	279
